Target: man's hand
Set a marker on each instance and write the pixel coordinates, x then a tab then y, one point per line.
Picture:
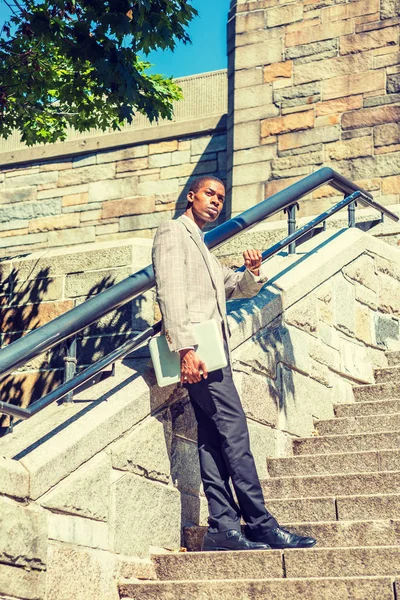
253	260
192	368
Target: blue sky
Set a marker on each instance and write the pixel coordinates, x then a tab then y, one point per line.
207	51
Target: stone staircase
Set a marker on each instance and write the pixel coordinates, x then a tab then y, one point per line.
341	486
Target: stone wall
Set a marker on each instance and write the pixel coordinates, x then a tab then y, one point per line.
313	83
88	487
114	194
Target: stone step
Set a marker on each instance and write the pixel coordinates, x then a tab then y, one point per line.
387	440
273	564
329	534
331	508
331	485
368	424
387	374
377	391
393	358
359	409
348	462
354	588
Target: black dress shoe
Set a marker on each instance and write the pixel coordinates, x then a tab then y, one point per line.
280	538
230	540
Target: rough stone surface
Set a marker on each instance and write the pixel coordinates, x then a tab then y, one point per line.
21	584
145	451
159	508
80	573
85	492
14	478
23	537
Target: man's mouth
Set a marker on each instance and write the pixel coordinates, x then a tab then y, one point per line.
213	211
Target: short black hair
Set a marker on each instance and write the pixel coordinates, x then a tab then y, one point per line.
197	183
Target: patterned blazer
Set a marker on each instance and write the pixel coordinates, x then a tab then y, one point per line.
192	286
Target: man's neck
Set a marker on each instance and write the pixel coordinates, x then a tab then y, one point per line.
190	215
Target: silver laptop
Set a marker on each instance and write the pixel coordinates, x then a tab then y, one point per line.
209	347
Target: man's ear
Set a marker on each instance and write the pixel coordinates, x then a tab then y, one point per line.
189	196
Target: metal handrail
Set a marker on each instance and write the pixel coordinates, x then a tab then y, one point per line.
47	336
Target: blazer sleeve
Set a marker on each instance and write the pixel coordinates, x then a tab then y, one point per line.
243	284
171	282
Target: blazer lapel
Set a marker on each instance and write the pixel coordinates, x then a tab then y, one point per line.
201	246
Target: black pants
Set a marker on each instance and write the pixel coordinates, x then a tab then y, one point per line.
224	452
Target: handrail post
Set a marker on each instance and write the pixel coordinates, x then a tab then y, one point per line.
70	362
352	213
291	212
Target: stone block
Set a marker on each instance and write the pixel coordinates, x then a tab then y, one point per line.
146	450
86	175
346	149
81	573
30	210
14	478
302	400
284	15
92	282
362	42
248	77
338	106
127	206
254	114
180	157
30	316
249	21
184	422
277	71
245	196
205	144
357	168
371	116
319	33
389	9
260	398
388	294
23	538
134	164
262	53
387	134
78	531
291	122
362	270
393	83
188	169
388	164
85	492
299	93
363	324
52	223
36	290
344	305
391	185
303	315
300	160
332	67
359	8
159	508
325	354
262	446
75	199
311	50
160	147
160	160
253	96
246	135
59	191
16	583
21	194
251	173
185	466
148	188
84	161
68	237
28	180
354	361
288	141
346	85
116	155
149	221
254	155
386	329
113	189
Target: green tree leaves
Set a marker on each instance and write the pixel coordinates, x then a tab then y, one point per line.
75	63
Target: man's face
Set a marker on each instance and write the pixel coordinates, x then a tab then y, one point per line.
208	201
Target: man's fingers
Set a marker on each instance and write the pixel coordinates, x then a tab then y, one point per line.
203	368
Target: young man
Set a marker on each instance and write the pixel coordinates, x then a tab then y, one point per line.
192	286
